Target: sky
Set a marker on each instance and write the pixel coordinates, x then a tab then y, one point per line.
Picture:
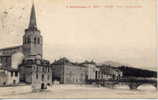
122	34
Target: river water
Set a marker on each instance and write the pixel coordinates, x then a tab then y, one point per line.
79	91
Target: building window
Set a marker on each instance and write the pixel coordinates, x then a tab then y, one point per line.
36	75
38	41
37	68
11	74
35	40
16	74
48	69
42	77
4	83
14	81
96	75
43	69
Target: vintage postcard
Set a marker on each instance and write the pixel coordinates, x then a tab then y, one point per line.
78	49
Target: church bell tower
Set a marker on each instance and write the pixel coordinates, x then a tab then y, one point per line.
32	39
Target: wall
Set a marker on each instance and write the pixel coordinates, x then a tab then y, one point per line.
91	71
37	80
58	72
11	50
25	74
74	74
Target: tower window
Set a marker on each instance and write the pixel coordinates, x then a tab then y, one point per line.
16	74
24	41
35	40
29	40
11	74
38	40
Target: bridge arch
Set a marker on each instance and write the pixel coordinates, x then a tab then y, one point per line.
145	85
134	86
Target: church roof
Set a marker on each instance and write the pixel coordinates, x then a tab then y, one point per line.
88	62
8	48
64	60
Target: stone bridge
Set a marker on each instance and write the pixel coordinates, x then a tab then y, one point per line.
133	83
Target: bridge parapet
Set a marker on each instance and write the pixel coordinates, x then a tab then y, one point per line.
131	82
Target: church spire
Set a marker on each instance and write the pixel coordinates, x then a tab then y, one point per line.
32	23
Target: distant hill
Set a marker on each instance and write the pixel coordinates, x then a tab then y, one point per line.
113	63
117	64
137	72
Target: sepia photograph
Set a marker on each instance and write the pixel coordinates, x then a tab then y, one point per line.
78	49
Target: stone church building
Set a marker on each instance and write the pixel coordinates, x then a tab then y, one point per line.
27	59
32	43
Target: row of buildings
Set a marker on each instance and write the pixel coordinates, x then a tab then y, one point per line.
25	63
67	72
64	71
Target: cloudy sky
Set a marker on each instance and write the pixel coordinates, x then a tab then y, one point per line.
125	35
